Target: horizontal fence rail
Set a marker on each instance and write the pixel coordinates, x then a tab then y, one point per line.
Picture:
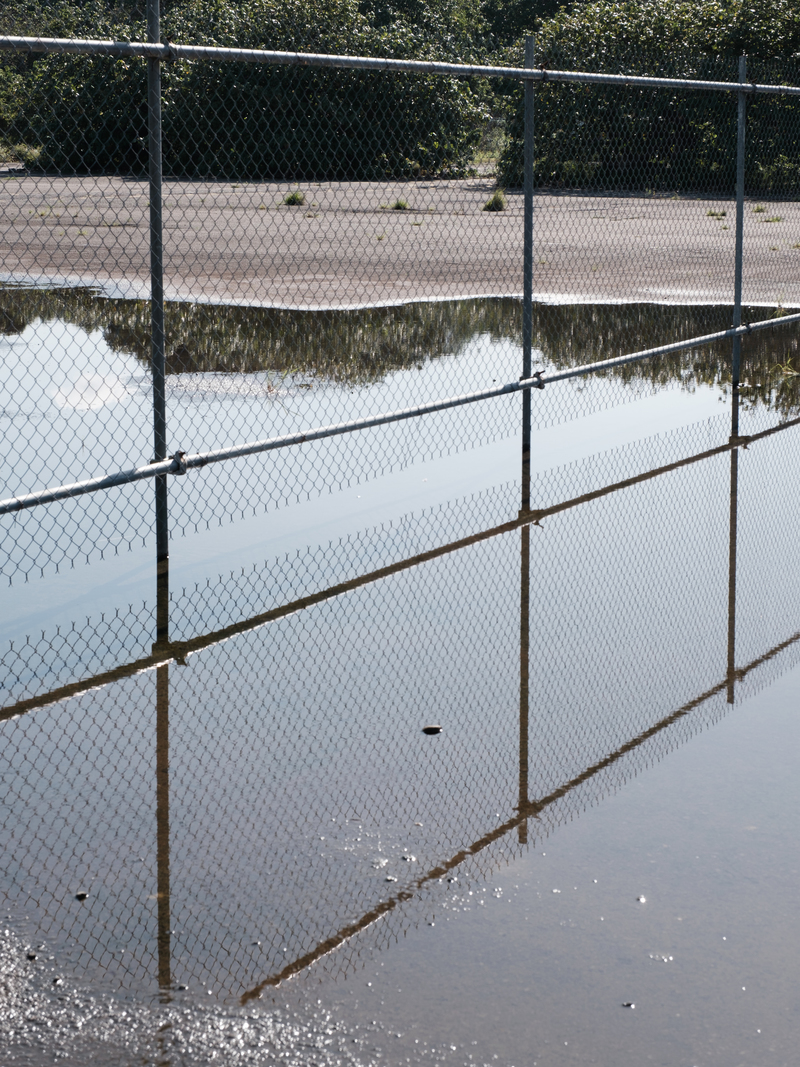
171	51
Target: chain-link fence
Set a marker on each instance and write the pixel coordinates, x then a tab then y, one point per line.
260	800
357	262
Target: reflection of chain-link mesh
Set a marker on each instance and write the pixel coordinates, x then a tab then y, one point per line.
35	664
298	773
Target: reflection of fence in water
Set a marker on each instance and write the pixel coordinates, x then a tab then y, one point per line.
32	665
281	767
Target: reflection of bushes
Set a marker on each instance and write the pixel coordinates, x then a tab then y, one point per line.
356	348
344	347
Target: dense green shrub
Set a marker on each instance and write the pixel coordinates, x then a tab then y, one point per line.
664	140
247	121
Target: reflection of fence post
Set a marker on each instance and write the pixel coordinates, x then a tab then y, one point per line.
737	285
732	527
162	827
524	666
527	275
157	289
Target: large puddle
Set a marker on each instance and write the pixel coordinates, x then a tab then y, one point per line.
239	845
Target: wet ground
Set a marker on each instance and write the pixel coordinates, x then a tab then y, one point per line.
229	839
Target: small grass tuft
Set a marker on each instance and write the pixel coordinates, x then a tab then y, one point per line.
759	209
715	214
774	218
295	199
496	202
400	205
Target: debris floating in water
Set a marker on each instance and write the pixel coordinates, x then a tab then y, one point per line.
433	729
628	1004
81	895
642	900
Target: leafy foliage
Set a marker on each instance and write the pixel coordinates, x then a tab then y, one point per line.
625	138
247	121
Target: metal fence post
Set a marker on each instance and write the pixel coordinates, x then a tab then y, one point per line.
157	316
737	285
527	274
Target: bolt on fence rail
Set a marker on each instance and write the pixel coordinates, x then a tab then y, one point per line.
157	54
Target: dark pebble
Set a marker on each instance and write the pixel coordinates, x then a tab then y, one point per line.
81	896
431	730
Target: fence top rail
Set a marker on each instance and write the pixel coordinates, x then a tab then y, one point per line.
170	51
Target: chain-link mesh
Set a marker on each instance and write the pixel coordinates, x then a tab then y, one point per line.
341	243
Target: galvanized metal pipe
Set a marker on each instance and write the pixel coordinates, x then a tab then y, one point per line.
527	273
182	462
142	49
157	327
739	253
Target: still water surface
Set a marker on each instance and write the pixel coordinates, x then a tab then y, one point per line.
280	866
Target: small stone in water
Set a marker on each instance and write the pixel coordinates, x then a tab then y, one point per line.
628	1004
81	896
430	730
58	981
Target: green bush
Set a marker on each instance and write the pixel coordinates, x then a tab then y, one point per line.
620	138
246	121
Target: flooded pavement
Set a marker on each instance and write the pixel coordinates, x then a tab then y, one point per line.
227	837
